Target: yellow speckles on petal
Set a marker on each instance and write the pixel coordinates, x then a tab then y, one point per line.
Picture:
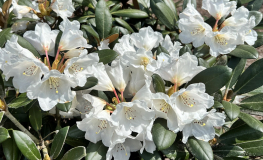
56	91
191	105
203	124
5	61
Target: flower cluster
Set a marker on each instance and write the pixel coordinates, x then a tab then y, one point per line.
222	39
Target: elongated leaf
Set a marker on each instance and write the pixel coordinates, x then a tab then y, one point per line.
20	101
214	78
26	145
231	110
131	13
124	24
257	15
245	51
4	135
254	5
96	151
103	19
251	79
4	36
58	142
201	51
229	151
25	44
91	82
171	5
149	156
184	50
2	88
26	3
251	121
10	149
107	55
237	65
75	153
176	151
200	149
253	103
259	41
76	137
202	62
158	83
64	106
92	32
83	19
193	2
162	136
35	118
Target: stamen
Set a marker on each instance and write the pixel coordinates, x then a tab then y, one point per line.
103	125
144	61
53	82
129	113
220	39
30	71
190	102
197	30
165	107
121	147
201	123
76	68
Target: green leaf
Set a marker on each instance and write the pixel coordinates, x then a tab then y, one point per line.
35	118
76	137
158	83
162	136
199	149
25	44
99	94
64	106
237	65
4	135
103	19
176	151
20	101
107	55
124	24
251	79
26	145
91	82
253	103
254	5
26	3
58	142
171	5
217	105
57	42
92	32
214	78
251	121
10	149
4	36
202	62
193	2
151	156
161	49
232	110
83	19
201	51
258	16
184	50
1	116
245	51
131	13
163	13
2	89
76	153
229	151
96	151
259	41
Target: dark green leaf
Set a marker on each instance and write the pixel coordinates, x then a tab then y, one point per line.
258	16
162	136
76	137
76	153
251	121
171	5
96	151
1	116
64	106
83	19
35	118
10	149
214	78
201	51
245	51
75	142
200	149
20	101
57	42
193	2
91	82
161	49
229	151
244	1
124	24
253	103
259	41
116	7
92	32
231	110
25	44
251	79
151	156
99	94
158	83
58	142
217	105
176	151
202	62
254	5
4	135
4	36
26	145
237	65
184	50
131	13
26	3
107	55
103	19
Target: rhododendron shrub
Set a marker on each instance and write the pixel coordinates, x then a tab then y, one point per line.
129	80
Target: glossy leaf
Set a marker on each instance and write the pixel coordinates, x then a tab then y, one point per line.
184	50
229	151
259	41
202	62
103	19
253	103
251	79
151	156
11	150
171	5
245	51
96	151
251	121
76	153
158	83
91	82
257	15
200	149
35	118
214	78
58	142
26	145
4	135
92	32
64	106
107	55
176	151
237	65
131	13
254	5
20	101
232	110
4	36
124	24
162	136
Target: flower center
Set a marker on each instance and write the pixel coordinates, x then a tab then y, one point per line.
30	71
144	61
201	123
190	102
198	30
53	82
165	107
76	68
120	147
221	40
129	113
103	125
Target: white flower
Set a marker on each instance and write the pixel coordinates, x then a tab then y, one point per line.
69	25
124	45
190	11
164	107
104	44
222	42
19	26
204	129
20	10
43	38
172	48
219	8
83	106
52	89
75	53
130	116
181	71
96	103
247	33
80	67
63	8
146	38
98	127
193	30
191	103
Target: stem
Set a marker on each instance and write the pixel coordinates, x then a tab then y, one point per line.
44	148
122	96
175	88
51	133
20	126
57	53
116	96
47	59
110	105
215	26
